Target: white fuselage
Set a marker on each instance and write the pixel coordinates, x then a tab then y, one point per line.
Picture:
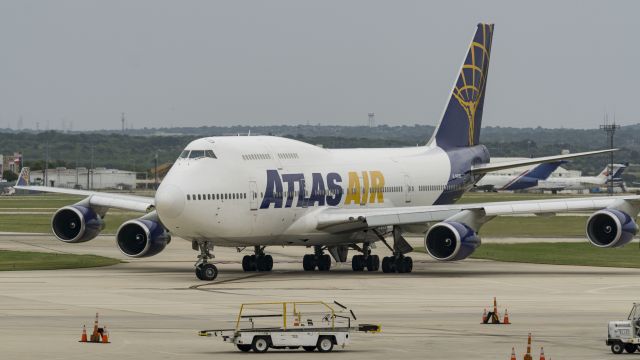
223	198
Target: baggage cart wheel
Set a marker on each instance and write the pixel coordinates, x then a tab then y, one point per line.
630	348
617	348
325	344
244	347
260	344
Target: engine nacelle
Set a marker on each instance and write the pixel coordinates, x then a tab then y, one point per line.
611	228
451	241
142	238
76	224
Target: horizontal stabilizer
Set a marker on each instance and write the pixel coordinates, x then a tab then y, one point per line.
485	168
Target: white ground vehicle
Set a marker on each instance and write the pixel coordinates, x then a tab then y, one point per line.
309	325
625	335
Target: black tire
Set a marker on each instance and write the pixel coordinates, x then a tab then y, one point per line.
373	263
199	272
325	344
407	263
260	344
309	263
388	265
268	262
357	263
309	348
324	263
247	264
617	348
244	347
209	272
630	348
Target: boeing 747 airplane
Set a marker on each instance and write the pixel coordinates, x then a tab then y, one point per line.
252	192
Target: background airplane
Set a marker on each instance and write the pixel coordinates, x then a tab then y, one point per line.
258	191
517	179
584	182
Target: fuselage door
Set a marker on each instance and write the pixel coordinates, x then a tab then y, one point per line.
253	195
407	188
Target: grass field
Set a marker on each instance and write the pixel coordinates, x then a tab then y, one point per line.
24	260
580	254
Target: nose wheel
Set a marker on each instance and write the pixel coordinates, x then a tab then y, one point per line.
205	270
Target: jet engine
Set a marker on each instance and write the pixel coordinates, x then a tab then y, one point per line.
611	228
76	224
142	238
451	241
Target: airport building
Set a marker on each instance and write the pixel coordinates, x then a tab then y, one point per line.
83	178
11	163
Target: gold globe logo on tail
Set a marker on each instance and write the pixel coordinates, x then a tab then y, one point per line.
473	78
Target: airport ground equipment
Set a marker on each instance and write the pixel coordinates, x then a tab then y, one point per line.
493	317
310	325
624	335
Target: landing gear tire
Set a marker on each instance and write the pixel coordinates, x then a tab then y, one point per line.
357	263
260	344
309	263
388	265
264	263
244	347
208	272
325	344
373	263
324	263
404	264
617	348
630	348
199	272
249	263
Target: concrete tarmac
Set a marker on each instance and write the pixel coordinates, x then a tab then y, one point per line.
154	307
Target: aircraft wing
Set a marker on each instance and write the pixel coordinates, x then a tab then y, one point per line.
484	168
98	199
339	220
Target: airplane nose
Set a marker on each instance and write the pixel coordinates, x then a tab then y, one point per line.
170	201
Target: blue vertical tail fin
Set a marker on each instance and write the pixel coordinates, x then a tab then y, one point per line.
23	178
544	170
462	117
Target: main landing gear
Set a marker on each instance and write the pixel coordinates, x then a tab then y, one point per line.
318	260
366	260
204	269
257	262
398	262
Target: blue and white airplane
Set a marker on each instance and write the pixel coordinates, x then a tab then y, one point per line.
260	191
514	179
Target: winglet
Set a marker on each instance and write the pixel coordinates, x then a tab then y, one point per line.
23	178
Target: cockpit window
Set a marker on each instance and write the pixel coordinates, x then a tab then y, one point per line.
196	154
210	154
184	154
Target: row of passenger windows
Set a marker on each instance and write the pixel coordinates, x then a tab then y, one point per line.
197	154
288	156
256	157
439	187
225	196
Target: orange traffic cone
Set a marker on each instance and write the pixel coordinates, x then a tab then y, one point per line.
528	356
484	316
105	335
513	354
542	353
505	320
95	336
83	338
296	321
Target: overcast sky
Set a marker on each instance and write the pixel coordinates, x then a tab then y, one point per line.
194	63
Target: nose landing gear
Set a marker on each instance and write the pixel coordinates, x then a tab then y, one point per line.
204	269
